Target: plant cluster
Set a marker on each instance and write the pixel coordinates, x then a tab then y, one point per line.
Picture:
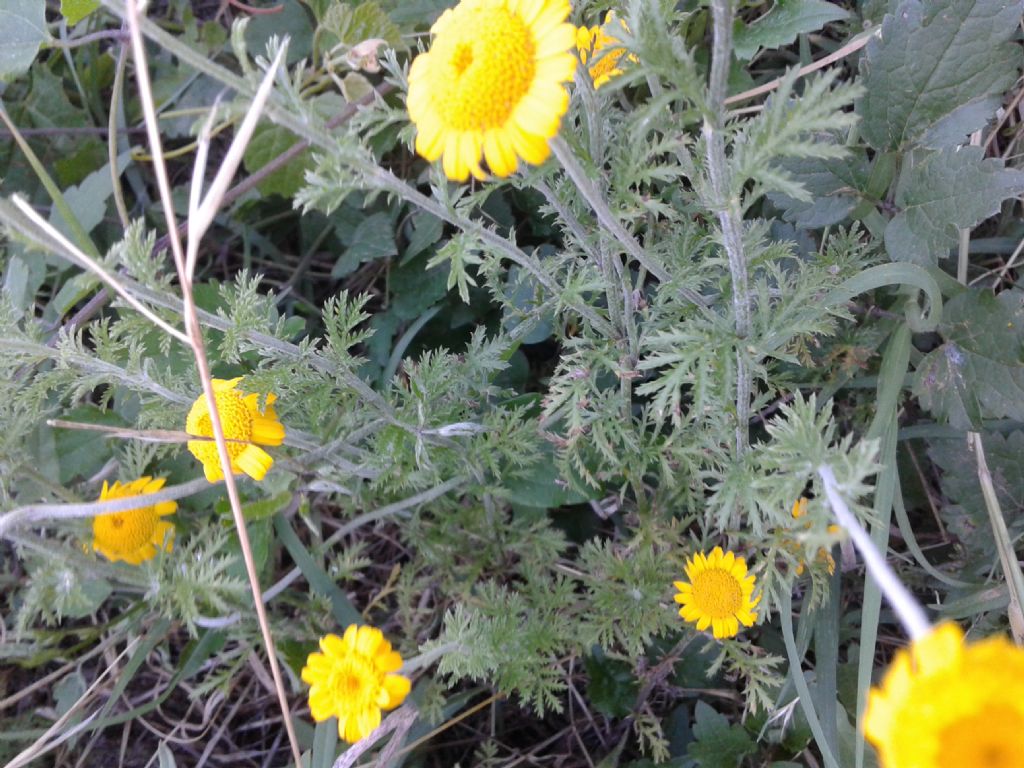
540	309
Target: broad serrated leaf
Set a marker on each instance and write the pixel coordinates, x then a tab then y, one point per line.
938	71
76	10
269	142
978	373
947	190
22	31
613	686
966	512
781	25
292	21
88	200
374	238
364	22
833	184
718	744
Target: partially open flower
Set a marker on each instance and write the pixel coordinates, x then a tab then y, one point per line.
719	593
601	50
823	557
245	426
353	679
947	704
133	535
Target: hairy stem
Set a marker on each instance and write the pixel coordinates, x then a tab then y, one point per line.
727	207
608	220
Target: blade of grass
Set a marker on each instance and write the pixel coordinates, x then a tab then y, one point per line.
341	607
883	427
785	603
82	239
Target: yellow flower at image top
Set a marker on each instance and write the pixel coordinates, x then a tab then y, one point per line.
353	679
602	50
719	593
947	704
245	426
134	534
492	84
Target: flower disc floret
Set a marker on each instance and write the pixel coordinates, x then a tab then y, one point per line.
245	426
133	535
719	593
602	50
492	85
353	678
947	704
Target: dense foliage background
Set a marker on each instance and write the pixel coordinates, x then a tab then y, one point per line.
514	408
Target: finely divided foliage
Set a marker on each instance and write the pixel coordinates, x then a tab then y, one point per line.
521	313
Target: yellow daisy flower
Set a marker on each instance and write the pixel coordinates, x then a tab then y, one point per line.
946	704
719	593
491	83
353	680
134	534
245	428
602	49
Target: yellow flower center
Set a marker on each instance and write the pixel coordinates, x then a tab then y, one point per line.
236	420
717	593
355	680
487	62
990	738
125	532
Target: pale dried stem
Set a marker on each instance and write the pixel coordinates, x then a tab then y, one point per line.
63	728
195	335
93	266
903	603
851	47
37	513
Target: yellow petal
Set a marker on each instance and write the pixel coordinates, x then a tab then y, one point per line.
254	461
501	157
267	431
397	688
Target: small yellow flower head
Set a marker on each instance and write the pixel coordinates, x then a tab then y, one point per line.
824	556
492	84
603	49
719	593
946	704
133	535
245	427
353	680
799	508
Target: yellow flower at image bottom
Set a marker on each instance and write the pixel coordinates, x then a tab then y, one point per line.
719	593
602	50
134	534
947	704
492	85
245	427
353	679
